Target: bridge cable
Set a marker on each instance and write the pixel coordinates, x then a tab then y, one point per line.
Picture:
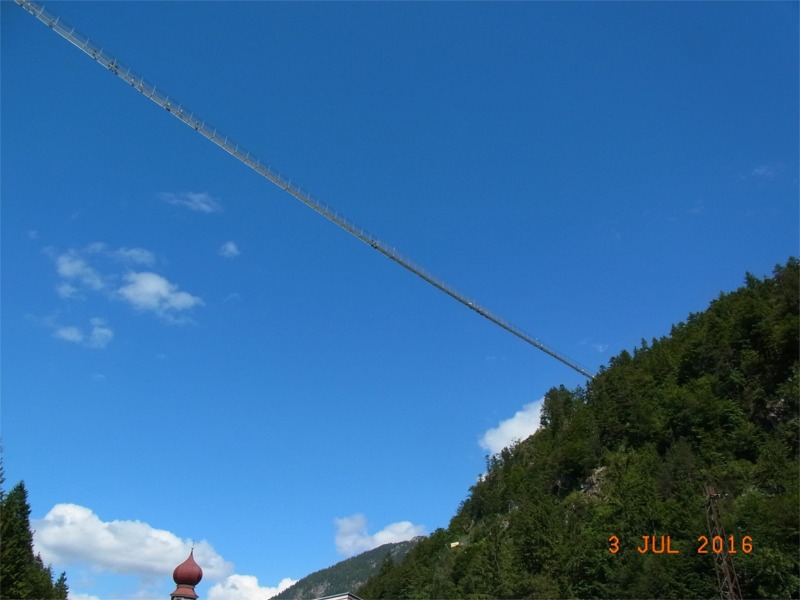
199	125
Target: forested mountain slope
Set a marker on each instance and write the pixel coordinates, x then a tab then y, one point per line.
347	575
714	403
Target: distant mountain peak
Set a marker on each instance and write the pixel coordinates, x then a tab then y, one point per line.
347	575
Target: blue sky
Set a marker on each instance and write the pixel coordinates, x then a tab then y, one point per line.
190	353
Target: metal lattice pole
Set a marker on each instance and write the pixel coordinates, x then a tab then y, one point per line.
723	564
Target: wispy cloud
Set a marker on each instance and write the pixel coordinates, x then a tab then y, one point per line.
143	290
524	423
73	534
98	336
137	256
494	358
599	347
199	201
246	587
697	208
352	537
151	292
67	290
78	275
229	250
69	334
765	170
76	271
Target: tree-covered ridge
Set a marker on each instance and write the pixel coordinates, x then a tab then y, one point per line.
347	575
714	403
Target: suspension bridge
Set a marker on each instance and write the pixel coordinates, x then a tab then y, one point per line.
150	91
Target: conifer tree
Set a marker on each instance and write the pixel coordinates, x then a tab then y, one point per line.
16	544
23	575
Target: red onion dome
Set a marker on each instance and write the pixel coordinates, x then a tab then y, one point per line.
188	572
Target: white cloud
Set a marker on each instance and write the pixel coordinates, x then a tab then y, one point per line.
246	587
152	292
95	248
77	274
69	334
67	290
352	537
201	202
72	534
765	171
72	267
524	423
229	250
99	336
147	291
138	256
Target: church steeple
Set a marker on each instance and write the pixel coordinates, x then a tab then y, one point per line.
186	575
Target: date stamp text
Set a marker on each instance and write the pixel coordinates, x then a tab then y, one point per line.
662	544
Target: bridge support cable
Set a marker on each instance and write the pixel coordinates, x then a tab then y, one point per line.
211	133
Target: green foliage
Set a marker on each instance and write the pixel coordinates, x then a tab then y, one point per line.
714	403
23	575
348	574
60	587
